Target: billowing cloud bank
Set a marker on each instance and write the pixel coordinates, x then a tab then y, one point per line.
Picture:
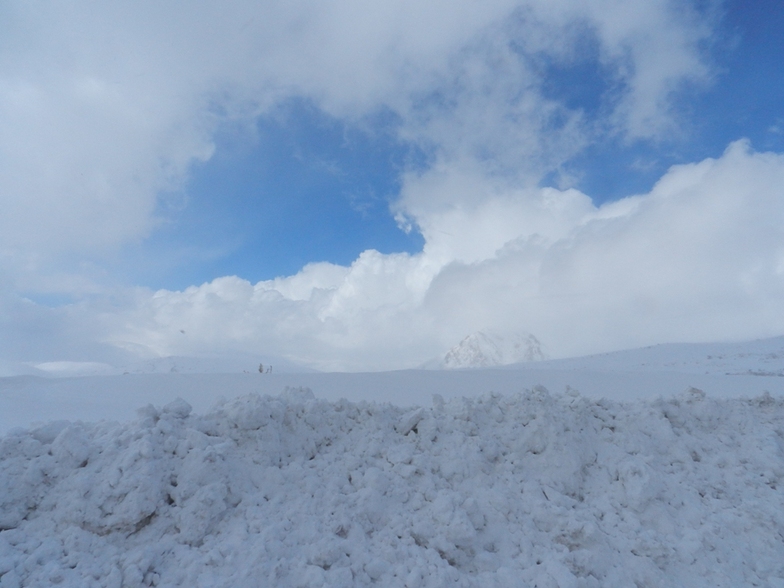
103	109
701	257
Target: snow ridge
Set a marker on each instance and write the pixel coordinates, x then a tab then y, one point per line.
488	349
531	489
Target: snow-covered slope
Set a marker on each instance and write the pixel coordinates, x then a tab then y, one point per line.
236	364
721	370
523	490
490	349
763	357
212	365
10	369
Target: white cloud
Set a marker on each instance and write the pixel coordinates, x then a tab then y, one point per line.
466	216
698	258
655	47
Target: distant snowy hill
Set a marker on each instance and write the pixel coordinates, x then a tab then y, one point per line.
489	349
762	357
237	364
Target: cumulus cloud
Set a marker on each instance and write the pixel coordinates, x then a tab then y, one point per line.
103	108
700	257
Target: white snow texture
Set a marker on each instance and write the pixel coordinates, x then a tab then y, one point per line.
531	489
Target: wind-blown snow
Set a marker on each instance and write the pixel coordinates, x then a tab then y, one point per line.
519	490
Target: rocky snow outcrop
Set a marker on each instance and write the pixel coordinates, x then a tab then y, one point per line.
488	349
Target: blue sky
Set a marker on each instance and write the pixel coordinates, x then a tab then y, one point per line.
243	174
303	187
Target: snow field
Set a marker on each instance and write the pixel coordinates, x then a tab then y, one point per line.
521	490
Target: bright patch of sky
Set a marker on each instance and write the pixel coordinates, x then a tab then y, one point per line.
298	187
743	98
360	187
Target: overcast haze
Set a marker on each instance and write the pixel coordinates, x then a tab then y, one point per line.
359	186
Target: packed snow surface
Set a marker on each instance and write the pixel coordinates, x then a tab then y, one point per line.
728	370
527	489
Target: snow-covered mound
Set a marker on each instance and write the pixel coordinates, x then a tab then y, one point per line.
488	349
524	490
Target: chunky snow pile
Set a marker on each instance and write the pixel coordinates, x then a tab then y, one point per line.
526	490
487	349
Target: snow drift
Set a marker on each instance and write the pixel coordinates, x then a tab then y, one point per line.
523	490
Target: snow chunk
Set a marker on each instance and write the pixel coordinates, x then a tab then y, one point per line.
178	408
409	421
